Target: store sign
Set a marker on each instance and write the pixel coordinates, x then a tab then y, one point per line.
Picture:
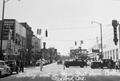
8	24
95	50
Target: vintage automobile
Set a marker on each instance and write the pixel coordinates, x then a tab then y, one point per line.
59	62
45	62
117	64
95	64
4	69
107	63
13	65
76	62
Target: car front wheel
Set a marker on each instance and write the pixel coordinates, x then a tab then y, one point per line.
82	66
9	72
67	66
0	73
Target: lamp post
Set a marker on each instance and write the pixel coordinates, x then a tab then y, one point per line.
100	36
1	55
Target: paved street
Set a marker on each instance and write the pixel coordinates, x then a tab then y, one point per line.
54	72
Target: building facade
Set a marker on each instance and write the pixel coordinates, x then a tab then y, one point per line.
36	49
52	54
29	35
13	38
78	53
36	44
110	50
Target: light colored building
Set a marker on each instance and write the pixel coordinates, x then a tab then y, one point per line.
110	50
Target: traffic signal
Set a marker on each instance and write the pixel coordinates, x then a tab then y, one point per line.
115	24
46	33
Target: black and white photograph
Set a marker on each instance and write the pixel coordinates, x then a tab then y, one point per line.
59	40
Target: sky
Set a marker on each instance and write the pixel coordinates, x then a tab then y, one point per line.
67	21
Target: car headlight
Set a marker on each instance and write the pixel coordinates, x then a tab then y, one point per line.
1	68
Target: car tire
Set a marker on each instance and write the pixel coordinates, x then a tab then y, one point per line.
0	73
17	71
81	66
101	67
9	72
67	66
92	67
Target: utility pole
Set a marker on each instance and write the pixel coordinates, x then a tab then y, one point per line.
1	54
97	42
101	41
101	55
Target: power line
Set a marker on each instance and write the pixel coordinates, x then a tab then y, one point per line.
58	28
72	40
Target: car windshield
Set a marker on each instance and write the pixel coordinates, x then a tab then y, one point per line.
10	62
2	63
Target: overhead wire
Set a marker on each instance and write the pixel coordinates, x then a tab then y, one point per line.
69	28
72	40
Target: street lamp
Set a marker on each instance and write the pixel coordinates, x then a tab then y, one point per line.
100	36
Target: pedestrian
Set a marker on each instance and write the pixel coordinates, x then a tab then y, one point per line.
41	65
21	66
111	64
17	66
117	65
63	65
101	65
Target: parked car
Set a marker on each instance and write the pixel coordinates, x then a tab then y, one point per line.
88	63
95	64
117	64
76	62
37	63
108	63
59	62
13	65
45	62
4	69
